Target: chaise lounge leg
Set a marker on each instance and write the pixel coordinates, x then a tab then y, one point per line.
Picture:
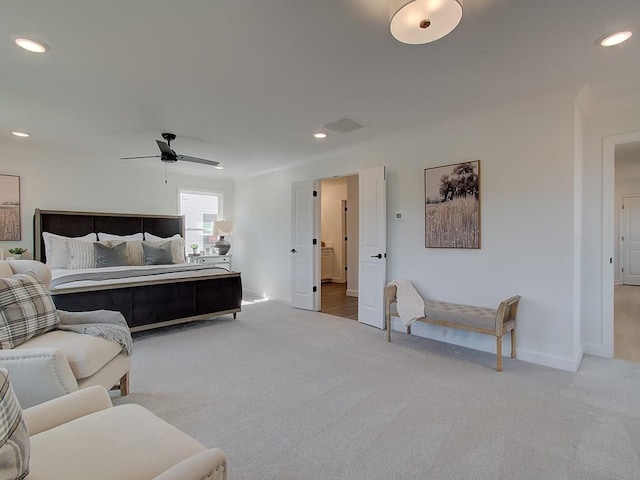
499	353
124	385
513	343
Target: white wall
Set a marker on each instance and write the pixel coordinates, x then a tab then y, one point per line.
55	182
604	121
527	155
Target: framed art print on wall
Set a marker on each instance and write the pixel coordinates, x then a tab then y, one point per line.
452	205
10	207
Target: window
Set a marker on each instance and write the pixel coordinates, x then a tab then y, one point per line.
200	210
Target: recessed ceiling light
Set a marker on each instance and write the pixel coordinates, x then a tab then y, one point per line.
320	135
21	134
34	46
615	38
219	167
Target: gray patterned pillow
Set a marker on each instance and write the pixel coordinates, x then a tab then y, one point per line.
160	255
135	252
26	309
14	437
112	255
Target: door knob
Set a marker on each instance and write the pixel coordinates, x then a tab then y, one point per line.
377	256
293	250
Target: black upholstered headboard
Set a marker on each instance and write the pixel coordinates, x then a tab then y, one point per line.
77	224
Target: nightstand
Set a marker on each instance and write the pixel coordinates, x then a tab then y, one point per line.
223	261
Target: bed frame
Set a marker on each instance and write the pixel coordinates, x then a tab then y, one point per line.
144	305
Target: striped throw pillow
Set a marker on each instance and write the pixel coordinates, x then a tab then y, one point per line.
14	437
26	309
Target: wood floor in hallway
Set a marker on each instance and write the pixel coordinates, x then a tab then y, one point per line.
626	344
334	300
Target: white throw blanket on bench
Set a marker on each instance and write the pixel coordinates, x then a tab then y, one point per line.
106	324
409	302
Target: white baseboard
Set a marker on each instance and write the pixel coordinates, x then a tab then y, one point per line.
487	343
595	350
553	361
352	293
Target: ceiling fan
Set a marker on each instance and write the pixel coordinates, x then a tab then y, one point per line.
167	155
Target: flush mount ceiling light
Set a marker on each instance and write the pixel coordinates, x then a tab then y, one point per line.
219	167
20	134
31	45
423	21
319	135
615	38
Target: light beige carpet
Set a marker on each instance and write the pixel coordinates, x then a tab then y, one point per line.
290	394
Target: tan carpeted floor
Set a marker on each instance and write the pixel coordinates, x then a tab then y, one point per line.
290	394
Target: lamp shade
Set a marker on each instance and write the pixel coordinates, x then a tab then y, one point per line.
423	21
223	227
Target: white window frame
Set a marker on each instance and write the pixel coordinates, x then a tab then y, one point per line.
192	191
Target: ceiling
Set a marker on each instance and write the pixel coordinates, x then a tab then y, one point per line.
247	82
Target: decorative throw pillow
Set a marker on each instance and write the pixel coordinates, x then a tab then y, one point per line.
81	254
111	255
157	255
55	248
177	248
14	437
135	252
26	309
123	238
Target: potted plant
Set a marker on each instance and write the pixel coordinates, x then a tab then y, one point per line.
194	247
17	252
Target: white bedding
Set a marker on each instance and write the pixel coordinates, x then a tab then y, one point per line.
192	271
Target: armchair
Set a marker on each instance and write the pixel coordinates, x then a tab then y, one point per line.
81	436
60	362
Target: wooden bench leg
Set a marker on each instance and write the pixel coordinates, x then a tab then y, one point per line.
499	353
513	343
388	325
124	385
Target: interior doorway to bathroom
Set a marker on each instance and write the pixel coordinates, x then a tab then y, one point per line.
339	246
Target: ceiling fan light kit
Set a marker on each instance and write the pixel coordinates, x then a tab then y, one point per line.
423	21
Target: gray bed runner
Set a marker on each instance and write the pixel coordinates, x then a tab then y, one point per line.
101	274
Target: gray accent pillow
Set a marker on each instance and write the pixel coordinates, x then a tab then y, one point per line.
15	447
111	255
157	255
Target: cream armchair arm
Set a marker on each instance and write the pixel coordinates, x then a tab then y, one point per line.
61	410
208	465
38	374
40	269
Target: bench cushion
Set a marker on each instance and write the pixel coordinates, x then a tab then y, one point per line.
86	354
467	315
470	316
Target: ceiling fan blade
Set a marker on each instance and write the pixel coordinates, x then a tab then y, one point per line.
148	156
186	158
165	149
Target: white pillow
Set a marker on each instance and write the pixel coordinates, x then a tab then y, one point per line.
124	238
55	248
150	237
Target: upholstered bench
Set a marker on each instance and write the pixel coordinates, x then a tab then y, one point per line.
464	317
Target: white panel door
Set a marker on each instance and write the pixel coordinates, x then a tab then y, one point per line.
631	240
303	256
372	271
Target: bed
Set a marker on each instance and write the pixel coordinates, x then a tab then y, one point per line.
152	296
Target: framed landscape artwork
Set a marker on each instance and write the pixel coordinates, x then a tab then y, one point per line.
10	207
452	206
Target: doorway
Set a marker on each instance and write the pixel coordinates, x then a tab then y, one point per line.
626	316
339	246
